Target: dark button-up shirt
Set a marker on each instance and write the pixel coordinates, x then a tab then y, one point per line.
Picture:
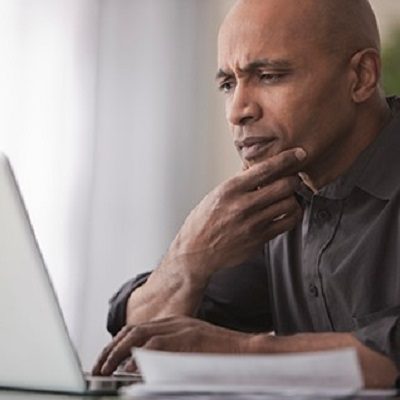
337	271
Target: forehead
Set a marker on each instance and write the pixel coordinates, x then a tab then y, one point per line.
266	31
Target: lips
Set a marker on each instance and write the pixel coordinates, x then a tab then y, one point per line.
253	147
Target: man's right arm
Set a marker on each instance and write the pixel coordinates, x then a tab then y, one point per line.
229	225
171	289
235	298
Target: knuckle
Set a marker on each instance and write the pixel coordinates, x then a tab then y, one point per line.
230	185
221	192
225	191
236	211
137	331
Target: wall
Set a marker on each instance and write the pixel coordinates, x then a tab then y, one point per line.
388	15
48	51
157	112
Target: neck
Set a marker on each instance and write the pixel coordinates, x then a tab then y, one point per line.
340	157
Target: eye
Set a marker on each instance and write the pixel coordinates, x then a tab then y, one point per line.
226	86
269	77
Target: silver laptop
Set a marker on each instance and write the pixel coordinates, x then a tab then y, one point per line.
36	352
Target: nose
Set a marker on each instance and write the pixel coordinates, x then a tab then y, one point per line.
243	108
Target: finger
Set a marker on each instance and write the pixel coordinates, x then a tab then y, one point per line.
275	213
177	342
288	162
130	366
245	165
106	351
284	222
287	223
168	322
137	337
270	194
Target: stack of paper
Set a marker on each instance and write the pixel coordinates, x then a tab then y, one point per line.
328	373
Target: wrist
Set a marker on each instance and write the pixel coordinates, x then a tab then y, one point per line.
189	269
169	291
261	343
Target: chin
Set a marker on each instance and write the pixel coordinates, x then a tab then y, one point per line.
258	160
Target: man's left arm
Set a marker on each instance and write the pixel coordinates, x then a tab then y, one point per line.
192	335
379	371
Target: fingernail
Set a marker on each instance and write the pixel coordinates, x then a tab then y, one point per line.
300	154
307	181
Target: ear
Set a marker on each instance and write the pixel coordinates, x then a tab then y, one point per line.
366	68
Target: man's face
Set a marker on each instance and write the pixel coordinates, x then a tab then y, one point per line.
281	88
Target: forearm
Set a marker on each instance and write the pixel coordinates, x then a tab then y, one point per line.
223	230
378	370
174	288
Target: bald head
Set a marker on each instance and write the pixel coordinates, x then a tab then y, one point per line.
302	73
339	26
347	24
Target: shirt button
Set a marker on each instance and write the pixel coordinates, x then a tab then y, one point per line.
323	215
313	290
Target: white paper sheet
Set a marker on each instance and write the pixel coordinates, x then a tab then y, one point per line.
328	373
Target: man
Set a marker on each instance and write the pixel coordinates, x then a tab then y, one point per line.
311	224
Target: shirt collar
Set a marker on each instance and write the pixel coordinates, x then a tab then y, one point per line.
377	169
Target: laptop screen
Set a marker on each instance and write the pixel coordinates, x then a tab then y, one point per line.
35	349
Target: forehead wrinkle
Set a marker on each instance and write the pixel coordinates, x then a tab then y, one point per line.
254	65
266	63
264	38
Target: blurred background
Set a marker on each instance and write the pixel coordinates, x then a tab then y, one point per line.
113	123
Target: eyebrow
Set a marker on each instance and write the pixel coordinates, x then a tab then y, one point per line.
256	64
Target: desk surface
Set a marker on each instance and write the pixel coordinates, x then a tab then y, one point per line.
25	395
16	395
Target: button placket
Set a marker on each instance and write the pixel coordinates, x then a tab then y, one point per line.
318	236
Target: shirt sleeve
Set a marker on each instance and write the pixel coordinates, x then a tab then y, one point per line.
117	304
235	298
381	332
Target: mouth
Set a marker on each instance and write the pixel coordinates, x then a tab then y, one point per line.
252	148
